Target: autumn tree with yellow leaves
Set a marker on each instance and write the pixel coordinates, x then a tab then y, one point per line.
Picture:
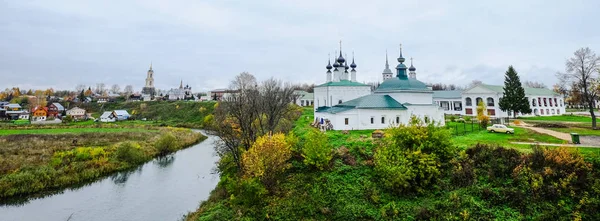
267	159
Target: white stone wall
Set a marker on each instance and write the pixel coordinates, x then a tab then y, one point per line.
360	119
325	96
425	97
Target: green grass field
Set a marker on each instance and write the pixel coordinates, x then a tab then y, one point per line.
70	130
560	118
521	135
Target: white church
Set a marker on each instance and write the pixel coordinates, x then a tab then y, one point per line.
342	103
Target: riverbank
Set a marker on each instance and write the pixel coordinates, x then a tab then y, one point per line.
36	163
415	175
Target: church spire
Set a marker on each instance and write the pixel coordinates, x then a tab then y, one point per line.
151	66
387	64
401	59
181	84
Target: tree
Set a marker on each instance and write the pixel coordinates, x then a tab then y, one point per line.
582	70
474	83
115	89
80	87
81	96
16	92
128	90
243	81
514	99
535	84
29	92
481	115
49	92
89	91
99	88
267	158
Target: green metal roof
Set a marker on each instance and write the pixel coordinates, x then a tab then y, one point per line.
342	83
447	94
396	83
528	90
372	101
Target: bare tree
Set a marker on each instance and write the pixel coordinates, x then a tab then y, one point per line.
115	89
128	90
474	83
582	70
243	81
99	88
80	87
250	111
534	84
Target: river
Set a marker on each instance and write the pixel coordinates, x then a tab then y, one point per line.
162	189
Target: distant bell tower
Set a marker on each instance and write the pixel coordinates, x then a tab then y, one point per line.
149	87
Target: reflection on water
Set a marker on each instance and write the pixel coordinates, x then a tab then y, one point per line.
121	177
165	161
165	188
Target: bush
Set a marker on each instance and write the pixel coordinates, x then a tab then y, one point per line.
452	118
67	119
267	158
166	143
316	151
411	157
130	152
405	171
467	118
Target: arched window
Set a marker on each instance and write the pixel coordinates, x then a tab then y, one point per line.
534	103
535	112
468	102
542	111
561	102
545	102
490	102
478	100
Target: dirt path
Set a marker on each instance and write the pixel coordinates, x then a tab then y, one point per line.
556	145
559	135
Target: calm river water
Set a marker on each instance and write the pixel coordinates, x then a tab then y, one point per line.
162	189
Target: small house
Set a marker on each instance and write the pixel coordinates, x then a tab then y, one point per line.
13	110
55	110
77	113
39	113
108	116
24	115
121	114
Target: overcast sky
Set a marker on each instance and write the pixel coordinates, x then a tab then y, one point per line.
62	43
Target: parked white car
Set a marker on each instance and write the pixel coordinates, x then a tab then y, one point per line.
500	128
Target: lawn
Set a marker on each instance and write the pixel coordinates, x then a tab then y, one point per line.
521	135
560	118
70	130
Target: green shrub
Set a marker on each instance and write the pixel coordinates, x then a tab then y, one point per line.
467	118
130	152
452	118
316	151
167	143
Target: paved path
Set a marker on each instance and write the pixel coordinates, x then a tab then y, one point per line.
556	145
559	135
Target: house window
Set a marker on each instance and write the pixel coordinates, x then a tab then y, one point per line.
535	111
426	119
478	100
382	120
468	111
534	103
491	112
555	103
550	101
468	102
372	120
558	111
548	111
490	102
340	101
541	111
346	121
398	119
545	102
553	111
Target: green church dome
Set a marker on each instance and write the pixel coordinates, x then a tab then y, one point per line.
396	83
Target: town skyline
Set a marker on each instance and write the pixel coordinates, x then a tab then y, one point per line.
204	43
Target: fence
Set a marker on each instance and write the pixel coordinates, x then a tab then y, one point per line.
462	128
